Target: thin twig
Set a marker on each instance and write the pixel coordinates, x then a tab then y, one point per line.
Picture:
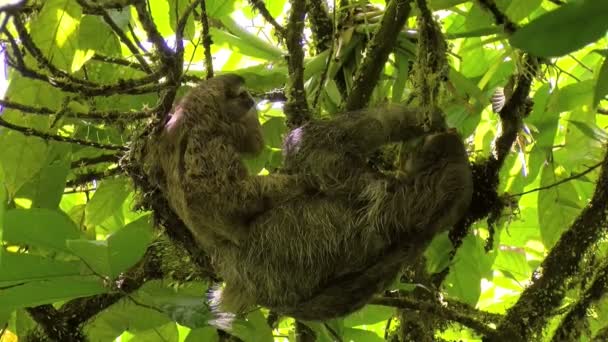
565	180
104	158
93	115
261	8
118	61
46	136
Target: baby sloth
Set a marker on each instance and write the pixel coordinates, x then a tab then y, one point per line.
317	240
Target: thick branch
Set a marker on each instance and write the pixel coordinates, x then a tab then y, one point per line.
296	108
572	325
431	63
321	24
537	303
206	41
53	326
368	73
468	318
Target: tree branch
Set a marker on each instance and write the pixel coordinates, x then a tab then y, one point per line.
296	108
565	180
321	24
261	8
537	303
206	41
500	18
571	326
46	136
93	115
119	32
468	317
104	158
368	72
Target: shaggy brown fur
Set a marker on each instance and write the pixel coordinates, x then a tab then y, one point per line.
318	240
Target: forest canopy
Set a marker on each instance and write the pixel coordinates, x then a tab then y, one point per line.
524	82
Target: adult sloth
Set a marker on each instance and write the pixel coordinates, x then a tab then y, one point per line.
318	240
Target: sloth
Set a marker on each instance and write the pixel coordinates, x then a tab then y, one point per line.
316	240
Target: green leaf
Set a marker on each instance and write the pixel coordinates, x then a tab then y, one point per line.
601	86
55	31
53	290
119	252
21	158
513	262
351	334
176	12
592	131
572	96
553	217
253	328
520	9
127	246
166	333
566	29
94	36
369	314
94	253
203	334
273	130
39	227
107	200
2	211
46	188
471	264
219	8
21	267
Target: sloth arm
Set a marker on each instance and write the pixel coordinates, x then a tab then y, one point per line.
221	196
332	154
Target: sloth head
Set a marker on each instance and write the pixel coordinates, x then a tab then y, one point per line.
220	107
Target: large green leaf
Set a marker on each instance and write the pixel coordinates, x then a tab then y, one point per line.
2	210
566	29
176	12
119	252
39	227
557	206
520	9
55	31
53	290
22	267
21	158
94	36
203	334
601	87
471	264
46	188
107	200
